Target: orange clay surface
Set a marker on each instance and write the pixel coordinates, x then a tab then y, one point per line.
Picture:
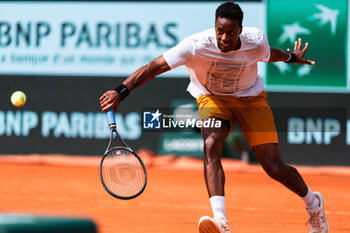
174	199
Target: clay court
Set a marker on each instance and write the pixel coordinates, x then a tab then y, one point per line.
174	199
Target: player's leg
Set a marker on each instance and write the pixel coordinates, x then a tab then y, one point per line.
270	159
257	123
210	106
214	108
214	139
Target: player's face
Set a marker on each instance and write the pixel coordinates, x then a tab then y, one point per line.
227	34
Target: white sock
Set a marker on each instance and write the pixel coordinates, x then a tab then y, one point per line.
218	206
310	200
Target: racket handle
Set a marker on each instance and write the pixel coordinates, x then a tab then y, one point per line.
111	119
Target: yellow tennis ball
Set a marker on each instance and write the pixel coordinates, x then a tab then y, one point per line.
18	98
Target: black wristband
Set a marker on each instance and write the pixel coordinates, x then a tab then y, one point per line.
293	57
122	90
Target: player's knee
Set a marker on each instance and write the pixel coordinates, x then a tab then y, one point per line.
212	149
211	145
274	170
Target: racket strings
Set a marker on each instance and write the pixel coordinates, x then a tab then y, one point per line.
123	173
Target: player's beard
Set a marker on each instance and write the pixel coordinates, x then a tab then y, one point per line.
227	47
224	48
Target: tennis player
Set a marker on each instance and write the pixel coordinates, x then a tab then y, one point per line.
222	64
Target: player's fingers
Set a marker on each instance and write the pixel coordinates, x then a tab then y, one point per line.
306	47
295	45
107	107
288	50
299	44
103	104
106	102
307	62
103	97
109	101
110	106
108	97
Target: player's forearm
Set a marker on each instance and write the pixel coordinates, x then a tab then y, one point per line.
146	73
139	78
278	55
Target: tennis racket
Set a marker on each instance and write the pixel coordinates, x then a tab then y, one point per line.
122	172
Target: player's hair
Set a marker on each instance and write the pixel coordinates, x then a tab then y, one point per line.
229	10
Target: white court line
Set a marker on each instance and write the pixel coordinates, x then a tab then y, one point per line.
247	209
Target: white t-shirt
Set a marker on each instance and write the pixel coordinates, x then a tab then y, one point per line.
212	71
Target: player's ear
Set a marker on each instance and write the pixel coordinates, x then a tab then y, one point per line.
240	30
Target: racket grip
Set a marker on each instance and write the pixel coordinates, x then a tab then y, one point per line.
111	119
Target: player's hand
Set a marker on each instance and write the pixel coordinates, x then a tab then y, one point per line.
110	100
301	53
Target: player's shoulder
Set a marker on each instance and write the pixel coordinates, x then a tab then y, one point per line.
252	34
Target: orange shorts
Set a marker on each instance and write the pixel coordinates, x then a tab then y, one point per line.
252	113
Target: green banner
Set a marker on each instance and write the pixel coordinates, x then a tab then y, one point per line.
321	23
181	144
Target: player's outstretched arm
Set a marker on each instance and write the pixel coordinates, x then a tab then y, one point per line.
111	99
297	56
